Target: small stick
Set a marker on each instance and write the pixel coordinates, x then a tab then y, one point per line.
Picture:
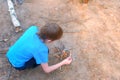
4	40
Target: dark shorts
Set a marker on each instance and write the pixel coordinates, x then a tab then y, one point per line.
28	65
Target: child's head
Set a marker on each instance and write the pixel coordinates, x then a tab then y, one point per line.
51	31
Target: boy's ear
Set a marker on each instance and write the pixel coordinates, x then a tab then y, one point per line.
48	40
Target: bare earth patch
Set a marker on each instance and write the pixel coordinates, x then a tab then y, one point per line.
91	32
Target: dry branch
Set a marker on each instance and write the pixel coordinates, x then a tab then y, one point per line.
13	15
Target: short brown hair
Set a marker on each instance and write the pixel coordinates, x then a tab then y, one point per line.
51	31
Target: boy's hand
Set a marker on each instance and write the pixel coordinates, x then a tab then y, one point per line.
67	61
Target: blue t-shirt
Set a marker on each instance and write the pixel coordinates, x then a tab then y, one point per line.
28	46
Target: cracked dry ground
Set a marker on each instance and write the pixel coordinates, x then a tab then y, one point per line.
91	31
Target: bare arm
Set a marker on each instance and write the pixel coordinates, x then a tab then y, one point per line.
48	69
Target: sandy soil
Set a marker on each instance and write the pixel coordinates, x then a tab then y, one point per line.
91	32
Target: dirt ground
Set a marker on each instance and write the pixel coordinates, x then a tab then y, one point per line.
91	32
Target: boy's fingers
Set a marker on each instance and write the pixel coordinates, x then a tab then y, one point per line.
69	58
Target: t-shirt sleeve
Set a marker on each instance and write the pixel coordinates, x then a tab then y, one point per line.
41	56
31	29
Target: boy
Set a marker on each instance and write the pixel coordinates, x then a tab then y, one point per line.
30	49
